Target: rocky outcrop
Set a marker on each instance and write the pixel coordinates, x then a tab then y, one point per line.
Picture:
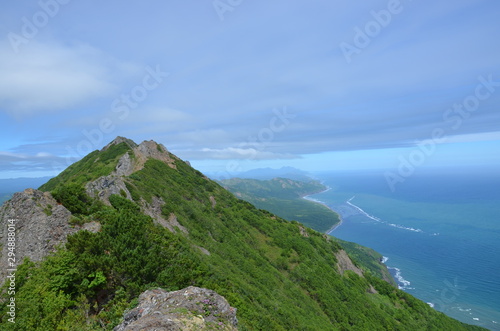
141	153
129	163
153	150
103	187
303	231
344	263
154	210
192	308
125	166
40	225
213	202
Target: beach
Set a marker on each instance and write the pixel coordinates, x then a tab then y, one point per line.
335	226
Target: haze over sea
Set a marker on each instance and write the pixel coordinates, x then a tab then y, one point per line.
439	233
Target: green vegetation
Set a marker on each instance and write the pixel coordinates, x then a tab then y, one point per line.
367	259
283	197
278	275
91	167
48	210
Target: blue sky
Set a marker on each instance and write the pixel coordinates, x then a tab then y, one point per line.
233	85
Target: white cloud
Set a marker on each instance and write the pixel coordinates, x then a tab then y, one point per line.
233	153
20	162
51	77
474	137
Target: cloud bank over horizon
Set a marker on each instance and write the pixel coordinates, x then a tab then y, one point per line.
275	83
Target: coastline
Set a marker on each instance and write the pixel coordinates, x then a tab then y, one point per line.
336	225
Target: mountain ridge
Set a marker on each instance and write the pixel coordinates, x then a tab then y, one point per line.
169	226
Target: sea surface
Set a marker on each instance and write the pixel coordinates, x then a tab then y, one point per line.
439	233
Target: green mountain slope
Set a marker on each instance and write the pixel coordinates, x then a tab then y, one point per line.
164	224
283	196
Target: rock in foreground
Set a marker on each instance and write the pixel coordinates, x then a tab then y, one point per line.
192	308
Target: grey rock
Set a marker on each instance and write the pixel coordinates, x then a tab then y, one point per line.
345	263
92	226
105	186
154	210
125	166
192	308
41	224
152	150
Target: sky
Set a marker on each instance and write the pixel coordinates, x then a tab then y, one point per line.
231	85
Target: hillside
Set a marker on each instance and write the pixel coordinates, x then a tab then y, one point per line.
283	197
132	218
266	174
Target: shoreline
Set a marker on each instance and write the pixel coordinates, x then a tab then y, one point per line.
336	225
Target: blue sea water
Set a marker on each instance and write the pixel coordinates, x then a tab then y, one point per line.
438	231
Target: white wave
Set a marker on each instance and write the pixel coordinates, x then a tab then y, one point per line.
384	259
403	284
362	211
307	197
431	304
476	319
379	220
405	227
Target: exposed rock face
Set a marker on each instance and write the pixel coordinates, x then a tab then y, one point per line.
151	150
125	166
105	186
41	224
345	263
192	308
154	211
303	231
142	152
213	201
92	226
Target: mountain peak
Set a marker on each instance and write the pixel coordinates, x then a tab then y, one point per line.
101	172
142	152
119	140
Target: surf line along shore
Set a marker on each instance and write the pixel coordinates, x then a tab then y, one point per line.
336	225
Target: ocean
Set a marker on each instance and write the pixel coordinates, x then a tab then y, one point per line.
439	233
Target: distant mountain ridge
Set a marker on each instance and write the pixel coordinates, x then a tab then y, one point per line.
266	174
283	196
134	217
